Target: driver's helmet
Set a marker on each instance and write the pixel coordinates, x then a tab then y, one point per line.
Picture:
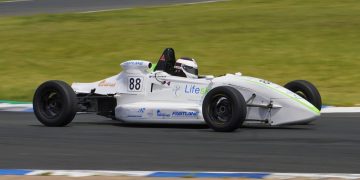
186	67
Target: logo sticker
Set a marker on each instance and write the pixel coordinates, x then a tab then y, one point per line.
185	114
140	63
103	83
193	89
141	110
161	114
176	90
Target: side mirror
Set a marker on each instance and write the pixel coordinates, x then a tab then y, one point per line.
209	77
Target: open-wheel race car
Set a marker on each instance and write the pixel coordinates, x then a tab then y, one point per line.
172	92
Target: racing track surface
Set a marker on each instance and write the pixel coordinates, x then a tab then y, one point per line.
28	7
331	144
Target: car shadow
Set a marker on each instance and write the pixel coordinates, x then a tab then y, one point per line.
178	126
187	126
295	127
149	125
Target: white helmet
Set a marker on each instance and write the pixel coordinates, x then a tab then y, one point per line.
186	67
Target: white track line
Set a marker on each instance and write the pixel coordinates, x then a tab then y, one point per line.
15	107
14	1
341	110
281	176
104	10
312	176
179	4
200	2
84	173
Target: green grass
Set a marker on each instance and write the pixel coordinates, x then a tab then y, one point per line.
278	40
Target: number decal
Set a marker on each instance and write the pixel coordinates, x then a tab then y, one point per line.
265	81
135	83
131	83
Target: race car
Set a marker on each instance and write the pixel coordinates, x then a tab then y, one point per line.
172	92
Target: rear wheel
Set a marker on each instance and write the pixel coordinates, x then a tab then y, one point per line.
224	109
306	90
55	103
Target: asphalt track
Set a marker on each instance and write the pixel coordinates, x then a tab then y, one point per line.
31	7
330	145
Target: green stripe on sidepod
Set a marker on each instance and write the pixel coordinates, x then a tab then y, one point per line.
312	108
153	67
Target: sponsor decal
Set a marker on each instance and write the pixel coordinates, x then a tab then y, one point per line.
176	114
176	90
193	89
161	114
140	63
264	81
166	82
135	116
162	58
136	113
103	83
185	114
157	76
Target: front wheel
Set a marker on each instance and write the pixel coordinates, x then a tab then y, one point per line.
224	109
306	90
55	103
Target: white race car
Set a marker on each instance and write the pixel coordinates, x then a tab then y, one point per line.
145	94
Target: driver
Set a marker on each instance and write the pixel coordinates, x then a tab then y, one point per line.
186	67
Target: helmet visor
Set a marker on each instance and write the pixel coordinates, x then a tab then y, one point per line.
190	69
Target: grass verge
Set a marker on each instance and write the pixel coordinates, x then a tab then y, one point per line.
279	40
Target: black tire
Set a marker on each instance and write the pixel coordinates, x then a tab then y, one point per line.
306	90
224	109
55	103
